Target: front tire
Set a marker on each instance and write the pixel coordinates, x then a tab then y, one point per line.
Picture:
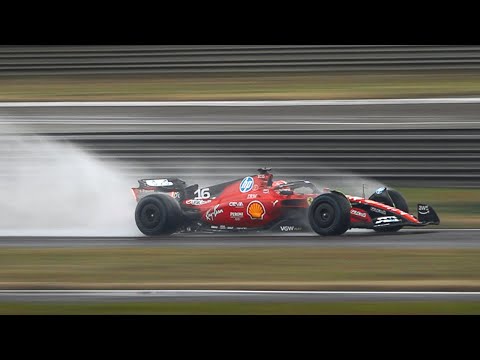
158	214
400	203
329	214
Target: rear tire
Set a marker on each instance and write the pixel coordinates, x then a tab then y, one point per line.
329	214
400	203
158	214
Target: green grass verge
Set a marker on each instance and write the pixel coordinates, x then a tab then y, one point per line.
240	86
240	268
456	207
246	308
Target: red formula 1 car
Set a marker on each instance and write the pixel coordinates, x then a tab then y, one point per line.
257	202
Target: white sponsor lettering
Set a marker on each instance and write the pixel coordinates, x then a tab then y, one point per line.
235	204
236	215
202	193
145	191
197	202
389	208
423	209
380	211
251	196
290	228
386	220
175	194
212	213
158	182
358	213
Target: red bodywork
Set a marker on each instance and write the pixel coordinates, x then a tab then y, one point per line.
257	207
355	219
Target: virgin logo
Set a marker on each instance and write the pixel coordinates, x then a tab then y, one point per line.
212	213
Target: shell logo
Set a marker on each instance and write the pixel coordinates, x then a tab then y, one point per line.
256	210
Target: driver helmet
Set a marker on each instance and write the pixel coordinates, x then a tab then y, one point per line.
280	182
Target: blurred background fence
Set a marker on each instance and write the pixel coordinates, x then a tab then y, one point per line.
51	60
408	144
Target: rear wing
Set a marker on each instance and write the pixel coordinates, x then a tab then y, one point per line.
175	187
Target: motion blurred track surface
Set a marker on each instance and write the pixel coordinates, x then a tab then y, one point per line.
426	238
229	295
430	144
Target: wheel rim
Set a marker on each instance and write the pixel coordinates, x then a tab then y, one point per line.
150	216
325	215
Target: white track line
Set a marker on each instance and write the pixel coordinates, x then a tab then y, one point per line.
245	292
413	101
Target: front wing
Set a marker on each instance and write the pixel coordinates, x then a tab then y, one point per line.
426	216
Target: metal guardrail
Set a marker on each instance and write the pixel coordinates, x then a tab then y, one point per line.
436	158
56	60
421	145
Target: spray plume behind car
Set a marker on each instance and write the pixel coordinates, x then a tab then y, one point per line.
53	188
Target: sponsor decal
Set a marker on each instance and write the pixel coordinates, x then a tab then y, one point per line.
223	227
380	211
246	185
236	215
386	220
158	182
175	194
251	196
423	209
266	191
309	200
392	209
236	204
197	202
290	228
275	202
256	210
212	213
214	227
358	213
380	190
145	191
202	193
261	176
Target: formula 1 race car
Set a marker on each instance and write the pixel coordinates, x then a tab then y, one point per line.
166	206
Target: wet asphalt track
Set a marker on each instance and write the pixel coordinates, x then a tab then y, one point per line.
405	238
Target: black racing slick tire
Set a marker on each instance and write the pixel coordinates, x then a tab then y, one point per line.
400	203
329	214
158	214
